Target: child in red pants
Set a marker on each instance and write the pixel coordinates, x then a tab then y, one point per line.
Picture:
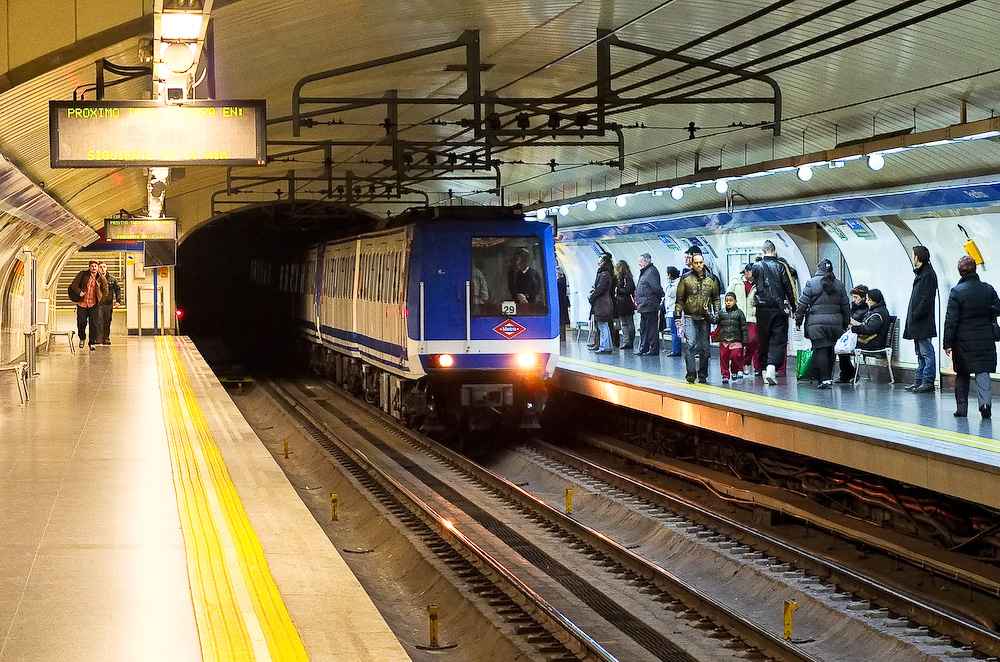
733	337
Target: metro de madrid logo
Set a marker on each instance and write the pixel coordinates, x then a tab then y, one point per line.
508	329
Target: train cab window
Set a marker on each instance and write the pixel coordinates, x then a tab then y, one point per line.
507	277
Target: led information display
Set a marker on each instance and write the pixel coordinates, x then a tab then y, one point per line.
101	134
139	229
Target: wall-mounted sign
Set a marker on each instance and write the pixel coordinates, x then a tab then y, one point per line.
102	134
139	229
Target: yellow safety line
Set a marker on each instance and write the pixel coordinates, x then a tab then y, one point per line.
972	441
223	631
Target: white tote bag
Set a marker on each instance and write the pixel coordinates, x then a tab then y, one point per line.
846	343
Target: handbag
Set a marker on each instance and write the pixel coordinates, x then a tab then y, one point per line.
846	343
803	358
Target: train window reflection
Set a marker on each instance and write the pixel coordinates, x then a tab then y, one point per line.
507	277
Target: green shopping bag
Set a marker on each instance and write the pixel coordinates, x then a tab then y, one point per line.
802	359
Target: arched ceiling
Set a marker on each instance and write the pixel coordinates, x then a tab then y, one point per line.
847	70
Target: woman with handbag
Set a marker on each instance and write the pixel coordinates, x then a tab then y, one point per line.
859	310
625	303
827	312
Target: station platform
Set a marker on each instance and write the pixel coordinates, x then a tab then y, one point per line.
142	519
874	426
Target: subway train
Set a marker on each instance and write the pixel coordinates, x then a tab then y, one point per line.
446	318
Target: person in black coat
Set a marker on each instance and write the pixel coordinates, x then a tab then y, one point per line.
601	303
920	326
563	289
873	330
648	297
859	311
969	337
827	313
625	303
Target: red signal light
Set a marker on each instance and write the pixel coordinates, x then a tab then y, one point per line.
179	313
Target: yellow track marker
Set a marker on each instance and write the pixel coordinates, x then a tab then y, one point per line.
238	608
972	441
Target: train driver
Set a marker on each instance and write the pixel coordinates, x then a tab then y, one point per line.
523	281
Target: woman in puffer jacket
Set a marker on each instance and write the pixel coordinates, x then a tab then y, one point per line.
827	313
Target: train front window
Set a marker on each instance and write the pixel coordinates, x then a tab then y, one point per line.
507	277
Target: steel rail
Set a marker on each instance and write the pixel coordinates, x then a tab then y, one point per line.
967	631
586	647
752	633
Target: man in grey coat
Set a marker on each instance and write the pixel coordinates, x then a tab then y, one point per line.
648	295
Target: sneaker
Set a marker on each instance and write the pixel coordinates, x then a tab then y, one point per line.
747	370
726	381
769	375
738	375
92	347
913	386
826	383
82	343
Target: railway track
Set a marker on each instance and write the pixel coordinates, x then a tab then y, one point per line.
631	579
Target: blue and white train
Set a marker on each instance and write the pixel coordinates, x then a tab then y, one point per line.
447	319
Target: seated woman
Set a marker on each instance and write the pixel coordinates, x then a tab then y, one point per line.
859	311
874	329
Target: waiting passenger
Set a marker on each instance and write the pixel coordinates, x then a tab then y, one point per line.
670	300
745	291
859	311
873	331
601	302
827	313
625	303
648	297
970	335
734	337
697	306
920	326
775	301
563	289
522	279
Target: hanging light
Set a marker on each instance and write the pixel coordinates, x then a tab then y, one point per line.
721	186
564	210
591	205
805	173
876	161
541	214
677	193
621	201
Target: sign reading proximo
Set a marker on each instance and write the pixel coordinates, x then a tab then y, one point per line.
101	134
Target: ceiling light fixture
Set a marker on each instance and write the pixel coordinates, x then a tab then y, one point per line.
721	186
621	201
805	173
564	210
677	193
591	205
876	161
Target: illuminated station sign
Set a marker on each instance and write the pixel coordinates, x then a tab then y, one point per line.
139	229
102	134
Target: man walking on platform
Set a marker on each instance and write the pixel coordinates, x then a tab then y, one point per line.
88	289
775	299
920	324
697	306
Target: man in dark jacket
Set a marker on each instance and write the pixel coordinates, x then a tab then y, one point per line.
775	296
601	302
697	306
920	326
648	295
91	287
108	303
969	338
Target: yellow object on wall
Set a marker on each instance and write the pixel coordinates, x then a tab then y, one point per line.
973	251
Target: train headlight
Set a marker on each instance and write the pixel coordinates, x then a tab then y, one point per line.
528	360
445	360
